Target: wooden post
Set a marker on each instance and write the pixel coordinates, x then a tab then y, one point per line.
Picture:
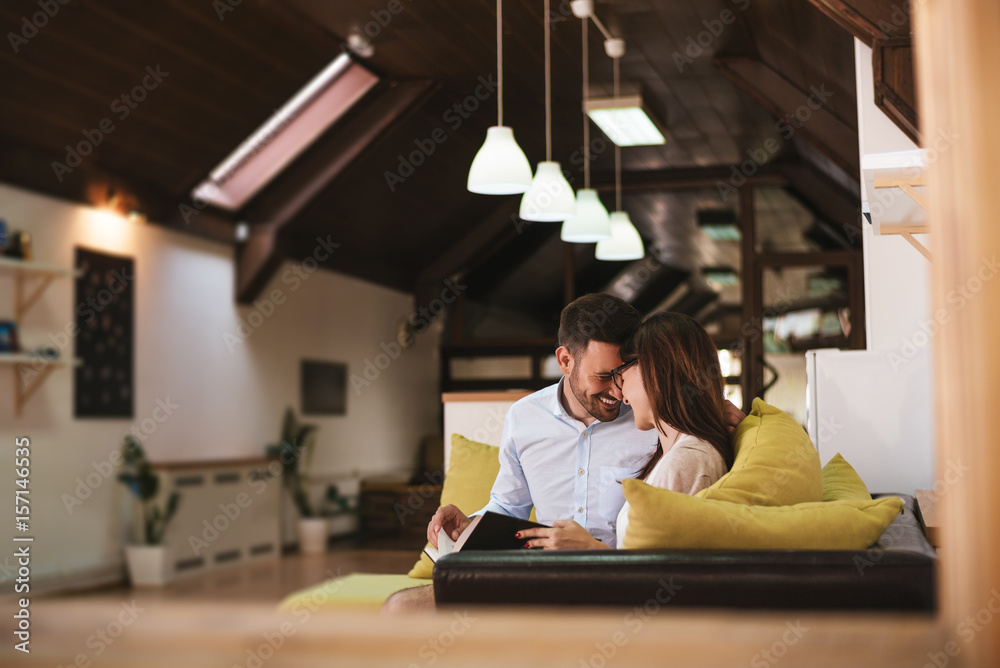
958	82
751	285
569	274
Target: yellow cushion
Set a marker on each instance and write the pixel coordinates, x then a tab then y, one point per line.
776	463
358	589
660	518
841	481
472	470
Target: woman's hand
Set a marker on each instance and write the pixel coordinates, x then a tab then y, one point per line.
564	535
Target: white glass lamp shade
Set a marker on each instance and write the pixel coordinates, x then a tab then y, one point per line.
625	242
550	198
591	222
500	167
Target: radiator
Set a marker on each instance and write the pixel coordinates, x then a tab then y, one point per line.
229	513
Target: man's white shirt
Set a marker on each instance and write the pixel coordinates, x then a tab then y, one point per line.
565	469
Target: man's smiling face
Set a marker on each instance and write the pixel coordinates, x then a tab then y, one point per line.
590	382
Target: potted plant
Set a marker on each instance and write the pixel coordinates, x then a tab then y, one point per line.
147	559
295	453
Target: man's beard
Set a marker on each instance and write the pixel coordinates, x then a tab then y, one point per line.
592	404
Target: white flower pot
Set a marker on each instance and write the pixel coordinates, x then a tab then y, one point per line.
313	534
147	565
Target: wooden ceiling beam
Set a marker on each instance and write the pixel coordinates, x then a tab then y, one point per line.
690	179
482	240
884	25
291	192
799	112
868	20
840	208
257	260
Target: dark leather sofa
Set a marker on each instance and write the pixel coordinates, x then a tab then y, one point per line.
897	573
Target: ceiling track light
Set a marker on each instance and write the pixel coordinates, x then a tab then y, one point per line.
550	198
500	167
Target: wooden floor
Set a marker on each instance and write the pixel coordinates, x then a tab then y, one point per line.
267	582
229	619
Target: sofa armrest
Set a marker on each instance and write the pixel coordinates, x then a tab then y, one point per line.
898	573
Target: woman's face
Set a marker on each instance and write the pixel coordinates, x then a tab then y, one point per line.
634	394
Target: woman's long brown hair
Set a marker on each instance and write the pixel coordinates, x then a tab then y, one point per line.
680	371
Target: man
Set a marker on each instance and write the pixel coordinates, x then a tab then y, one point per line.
565	449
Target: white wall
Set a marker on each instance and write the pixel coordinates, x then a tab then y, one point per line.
897	278
229	396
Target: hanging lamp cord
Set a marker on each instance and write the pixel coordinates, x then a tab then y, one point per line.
548	88
618	153
586	96
499	62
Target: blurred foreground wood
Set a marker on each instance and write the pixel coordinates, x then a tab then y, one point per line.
155	632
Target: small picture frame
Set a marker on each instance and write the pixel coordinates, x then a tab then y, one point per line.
324	387
8	337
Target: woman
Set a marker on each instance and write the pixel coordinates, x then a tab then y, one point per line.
672	381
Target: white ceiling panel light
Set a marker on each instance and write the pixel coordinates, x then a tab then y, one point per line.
288	132
550	198
500	166
625	120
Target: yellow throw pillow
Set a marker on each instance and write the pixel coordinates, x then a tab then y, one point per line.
659	518
776	463
842	482
472	470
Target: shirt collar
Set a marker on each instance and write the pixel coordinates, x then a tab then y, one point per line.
557	408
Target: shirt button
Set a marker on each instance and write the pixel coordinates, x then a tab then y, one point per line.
580	471
579	510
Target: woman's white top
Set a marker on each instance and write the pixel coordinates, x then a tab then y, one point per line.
689	466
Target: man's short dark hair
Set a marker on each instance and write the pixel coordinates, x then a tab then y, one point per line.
597	317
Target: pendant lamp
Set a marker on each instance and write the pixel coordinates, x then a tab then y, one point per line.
591	222
550	198
625	242
500	167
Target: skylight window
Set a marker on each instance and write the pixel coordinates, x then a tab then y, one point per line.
292	129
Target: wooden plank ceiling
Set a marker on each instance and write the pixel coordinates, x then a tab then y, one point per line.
224	72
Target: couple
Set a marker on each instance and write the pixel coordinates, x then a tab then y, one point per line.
565	449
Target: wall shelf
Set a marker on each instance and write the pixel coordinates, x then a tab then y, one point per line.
894	184
31	279
30	372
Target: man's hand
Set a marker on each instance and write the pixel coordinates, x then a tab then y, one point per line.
564	535
451	518
733	415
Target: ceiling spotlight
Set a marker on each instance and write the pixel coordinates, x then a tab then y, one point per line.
360	45
582	9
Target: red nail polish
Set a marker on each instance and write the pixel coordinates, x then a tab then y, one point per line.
517	535
528	544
